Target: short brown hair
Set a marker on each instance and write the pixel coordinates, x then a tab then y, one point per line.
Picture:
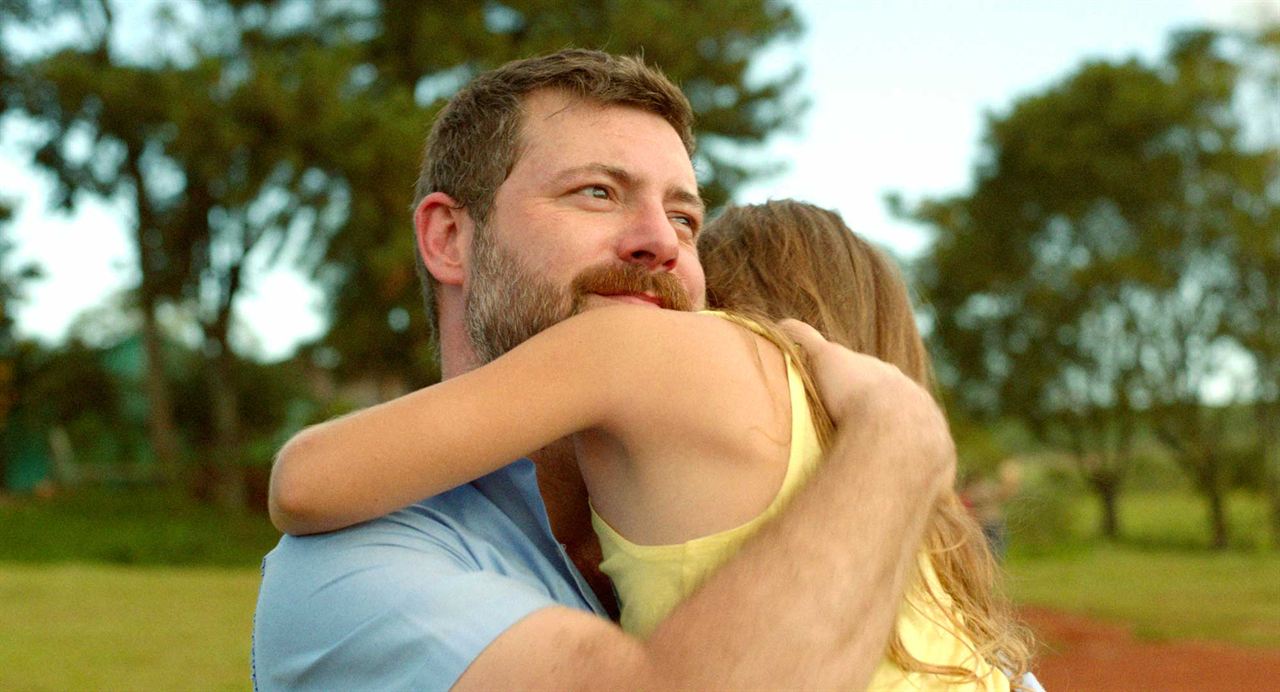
475	140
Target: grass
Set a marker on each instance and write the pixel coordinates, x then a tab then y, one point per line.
1164	594
139	589
1160	576
77	626
94	626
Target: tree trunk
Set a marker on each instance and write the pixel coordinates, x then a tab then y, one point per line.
160	426
1195	453
1107	489
1268	413
1273	491
1209	479
1217	517
1110	511
226	477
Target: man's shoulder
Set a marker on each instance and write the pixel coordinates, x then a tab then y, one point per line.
474	528
409	599
417	535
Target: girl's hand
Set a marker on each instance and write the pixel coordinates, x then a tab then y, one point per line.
865	392
844	377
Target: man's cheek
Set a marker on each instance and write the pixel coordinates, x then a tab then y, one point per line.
697	286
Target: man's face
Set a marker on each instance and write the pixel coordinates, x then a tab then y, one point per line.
601	207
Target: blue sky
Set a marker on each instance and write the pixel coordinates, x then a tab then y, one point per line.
899	89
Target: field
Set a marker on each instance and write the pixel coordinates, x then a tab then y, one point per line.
138	590
127	589
1160	578
1163	594
85	626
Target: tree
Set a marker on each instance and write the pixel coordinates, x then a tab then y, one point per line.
1186	328
83	92
247	129
248	140
11	350
1083	284
1255	309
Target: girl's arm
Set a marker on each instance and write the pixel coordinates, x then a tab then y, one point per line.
607	369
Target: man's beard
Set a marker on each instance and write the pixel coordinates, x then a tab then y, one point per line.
506	303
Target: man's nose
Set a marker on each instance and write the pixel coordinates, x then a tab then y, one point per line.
650	240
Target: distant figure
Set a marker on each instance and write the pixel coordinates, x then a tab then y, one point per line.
986	498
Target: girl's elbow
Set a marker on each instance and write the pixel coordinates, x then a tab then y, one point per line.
291	503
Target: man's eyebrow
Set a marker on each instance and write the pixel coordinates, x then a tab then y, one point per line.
618	174
683	196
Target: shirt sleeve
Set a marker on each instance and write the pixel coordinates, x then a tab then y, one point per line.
379	606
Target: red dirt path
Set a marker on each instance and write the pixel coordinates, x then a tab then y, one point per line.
1083	655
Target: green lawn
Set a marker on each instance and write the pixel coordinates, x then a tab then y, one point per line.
1164	594
141	590
106	627
81	626
1160	577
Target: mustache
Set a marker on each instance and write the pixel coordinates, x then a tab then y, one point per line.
631	278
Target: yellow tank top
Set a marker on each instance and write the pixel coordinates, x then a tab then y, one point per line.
651	579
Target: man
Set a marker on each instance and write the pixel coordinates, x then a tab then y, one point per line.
538	174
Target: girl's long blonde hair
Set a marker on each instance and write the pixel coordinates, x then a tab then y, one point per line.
791	259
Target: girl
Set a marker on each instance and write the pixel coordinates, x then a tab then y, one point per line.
793	259
664	424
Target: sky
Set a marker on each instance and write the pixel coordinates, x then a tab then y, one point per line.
899	90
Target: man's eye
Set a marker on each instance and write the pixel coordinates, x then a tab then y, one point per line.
687	221
595	191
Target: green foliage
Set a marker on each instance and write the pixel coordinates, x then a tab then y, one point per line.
1088	284
271	396
12	280
1043	517
93	396
131	526
241	134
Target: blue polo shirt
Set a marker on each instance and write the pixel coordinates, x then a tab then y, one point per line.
409	600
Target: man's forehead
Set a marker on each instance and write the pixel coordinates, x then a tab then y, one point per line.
560	125
545	106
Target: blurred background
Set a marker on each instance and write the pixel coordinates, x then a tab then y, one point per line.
205	245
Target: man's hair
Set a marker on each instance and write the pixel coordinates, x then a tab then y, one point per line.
475	140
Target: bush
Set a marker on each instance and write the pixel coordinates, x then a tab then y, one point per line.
131	526
1043	517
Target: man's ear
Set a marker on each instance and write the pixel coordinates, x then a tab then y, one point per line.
440	225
